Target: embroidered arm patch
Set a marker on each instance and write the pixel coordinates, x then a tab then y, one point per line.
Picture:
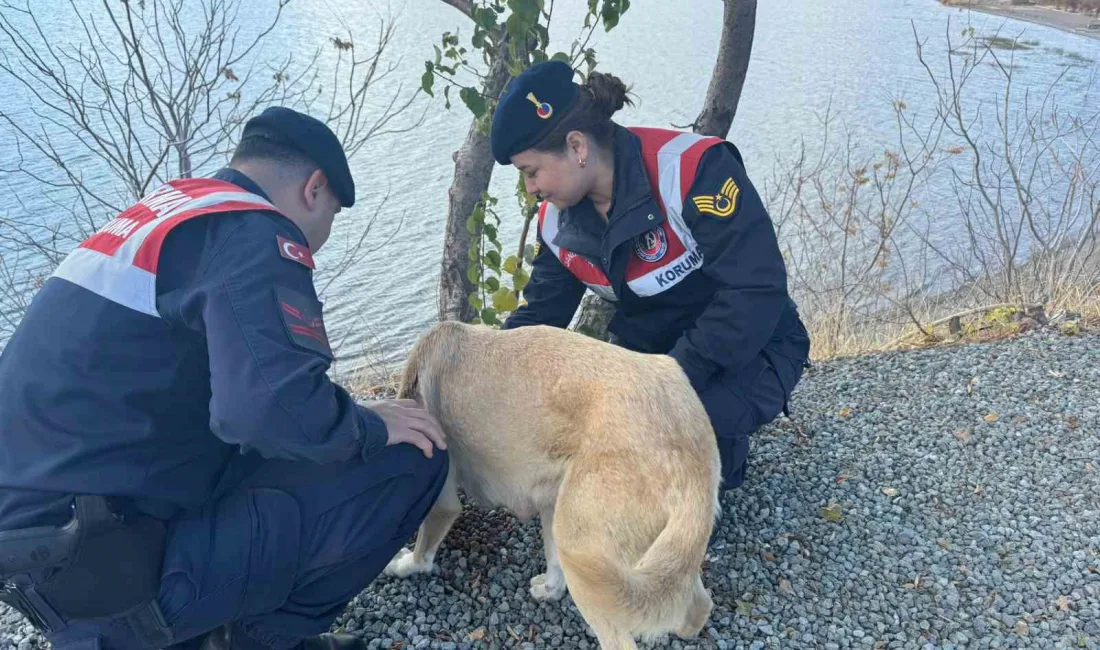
302	317
723	204
295	252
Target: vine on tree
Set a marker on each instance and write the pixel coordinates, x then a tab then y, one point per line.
518	29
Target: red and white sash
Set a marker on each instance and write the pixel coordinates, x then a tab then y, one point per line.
119	262
668	253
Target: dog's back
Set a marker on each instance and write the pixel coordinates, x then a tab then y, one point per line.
615	441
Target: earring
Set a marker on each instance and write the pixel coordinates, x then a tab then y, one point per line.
582	162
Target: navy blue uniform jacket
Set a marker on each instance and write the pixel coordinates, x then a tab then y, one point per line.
719	317
101	399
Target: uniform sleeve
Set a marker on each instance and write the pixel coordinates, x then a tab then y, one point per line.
553	293
269	353
740	251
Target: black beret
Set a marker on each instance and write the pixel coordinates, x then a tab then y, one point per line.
534	103
313	139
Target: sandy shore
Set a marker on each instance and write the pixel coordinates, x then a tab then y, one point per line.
1063	20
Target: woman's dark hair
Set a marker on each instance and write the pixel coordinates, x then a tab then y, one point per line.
600	97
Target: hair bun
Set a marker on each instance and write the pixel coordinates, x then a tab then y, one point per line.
609	93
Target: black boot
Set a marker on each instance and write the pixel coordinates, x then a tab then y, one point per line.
222	639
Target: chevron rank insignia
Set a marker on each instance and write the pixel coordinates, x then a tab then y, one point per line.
723	204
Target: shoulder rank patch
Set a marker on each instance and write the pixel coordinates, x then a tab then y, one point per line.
723	204
302	317
294	251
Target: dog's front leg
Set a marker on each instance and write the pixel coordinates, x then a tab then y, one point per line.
549	585
446	509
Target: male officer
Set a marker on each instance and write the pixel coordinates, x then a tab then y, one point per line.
169	440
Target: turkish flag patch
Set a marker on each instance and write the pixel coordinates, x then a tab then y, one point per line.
294	251
301	315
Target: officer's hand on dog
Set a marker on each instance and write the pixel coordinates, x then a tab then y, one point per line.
407	421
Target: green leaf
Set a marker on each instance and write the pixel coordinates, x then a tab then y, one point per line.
447	96
505	300
529	253
473	100
475	301
511	264
472	273
491	231
485	18
560	56
489	316
492	284
427	79
438	55
471	224
612	11
473	254
520	280
516	27
543	34
492	260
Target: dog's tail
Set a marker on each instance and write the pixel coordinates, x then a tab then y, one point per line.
661	592
427	359
409	385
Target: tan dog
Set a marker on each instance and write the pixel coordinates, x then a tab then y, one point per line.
613	450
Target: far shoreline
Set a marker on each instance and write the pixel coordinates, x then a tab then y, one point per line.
1071	23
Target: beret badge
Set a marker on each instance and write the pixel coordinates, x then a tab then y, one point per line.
542	109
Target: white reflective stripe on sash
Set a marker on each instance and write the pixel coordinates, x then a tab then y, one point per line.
603	291
114	279
668	175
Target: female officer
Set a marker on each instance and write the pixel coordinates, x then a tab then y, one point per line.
667	226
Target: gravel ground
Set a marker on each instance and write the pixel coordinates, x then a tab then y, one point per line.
940	498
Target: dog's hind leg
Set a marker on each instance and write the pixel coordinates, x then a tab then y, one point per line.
609	635
549	585
447	508
698	611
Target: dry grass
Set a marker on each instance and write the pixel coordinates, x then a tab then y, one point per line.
1070	315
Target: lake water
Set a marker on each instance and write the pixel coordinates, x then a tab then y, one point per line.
853	58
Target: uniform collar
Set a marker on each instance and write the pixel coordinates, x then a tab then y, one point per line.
241	180
631	184
634	209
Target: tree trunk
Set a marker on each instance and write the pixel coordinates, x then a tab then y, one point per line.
728	78
595	315
473	170
719	108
